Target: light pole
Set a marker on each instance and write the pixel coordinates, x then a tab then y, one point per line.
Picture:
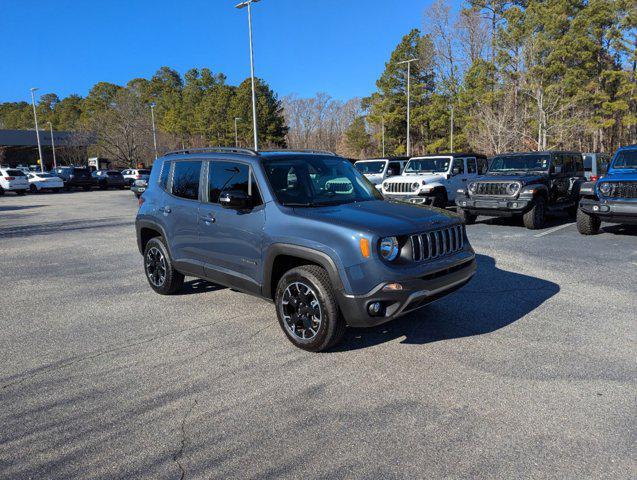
152	116
408	62
55	163
451	136
248	3
37	130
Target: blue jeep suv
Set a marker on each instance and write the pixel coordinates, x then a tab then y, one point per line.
612	198
302	229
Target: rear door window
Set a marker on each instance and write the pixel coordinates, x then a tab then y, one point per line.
472	166
186	179
15	173
483	165
459	164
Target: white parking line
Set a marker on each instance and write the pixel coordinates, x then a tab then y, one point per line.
554	229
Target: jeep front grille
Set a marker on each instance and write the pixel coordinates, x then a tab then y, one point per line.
399	187
437	243
622	190
491	188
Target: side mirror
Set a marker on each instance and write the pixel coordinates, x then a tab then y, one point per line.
455	171
391	172
235	199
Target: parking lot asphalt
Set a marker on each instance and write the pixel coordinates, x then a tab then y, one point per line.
527	372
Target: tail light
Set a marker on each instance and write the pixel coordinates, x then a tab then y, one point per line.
594	178
9	178
138	177
140	200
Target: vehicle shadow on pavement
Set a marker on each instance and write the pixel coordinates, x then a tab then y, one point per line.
516	221
493	299
11	208
197	286
620	229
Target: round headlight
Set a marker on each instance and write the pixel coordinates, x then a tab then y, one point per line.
513	188
385	185
473	186
415	186
389	248
604	188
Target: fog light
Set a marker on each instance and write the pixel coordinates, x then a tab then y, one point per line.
464	204
515	205
392	287
595	208
375	308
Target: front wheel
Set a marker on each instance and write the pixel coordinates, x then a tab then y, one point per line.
160	272
467	217
307	309
587	224
439	200
535	218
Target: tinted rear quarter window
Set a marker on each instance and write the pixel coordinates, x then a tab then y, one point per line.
164	175
186	179
15	173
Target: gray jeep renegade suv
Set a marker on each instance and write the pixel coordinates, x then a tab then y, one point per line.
303	229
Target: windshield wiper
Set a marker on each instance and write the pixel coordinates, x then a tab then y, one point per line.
299	204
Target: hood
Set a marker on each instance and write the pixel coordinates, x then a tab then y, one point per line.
525	179
627	175
383	218
416	177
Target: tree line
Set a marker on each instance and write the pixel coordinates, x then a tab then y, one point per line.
494	76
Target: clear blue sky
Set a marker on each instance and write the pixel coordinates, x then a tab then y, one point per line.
302	46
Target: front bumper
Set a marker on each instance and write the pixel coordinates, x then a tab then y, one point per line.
417	199
416	293
494	207
611	211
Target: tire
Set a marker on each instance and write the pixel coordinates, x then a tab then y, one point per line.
313	285
154	253
33	188
66	189
440	200
467	218
587	224
1	191
20	192
86	188
103	186
572	211
534	219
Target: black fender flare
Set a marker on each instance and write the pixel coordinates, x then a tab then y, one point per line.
145	223
305	253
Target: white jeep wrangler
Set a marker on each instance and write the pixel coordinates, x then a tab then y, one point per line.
434	179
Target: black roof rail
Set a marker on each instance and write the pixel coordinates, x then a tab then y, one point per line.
244	151
301	150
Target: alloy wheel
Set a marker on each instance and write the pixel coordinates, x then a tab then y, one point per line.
156	267
301	311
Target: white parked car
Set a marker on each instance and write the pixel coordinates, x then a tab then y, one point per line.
434	179
13	180
378	169
132	174
39	181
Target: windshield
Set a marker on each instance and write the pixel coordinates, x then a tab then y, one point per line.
371	167
626	159
520	163
438	165
313	181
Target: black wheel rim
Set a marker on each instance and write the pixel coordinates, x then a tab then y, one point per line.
301	311
155	267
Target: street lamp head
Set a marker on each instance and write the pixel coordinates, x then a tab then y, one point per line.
238	118
246	3
33	89
407	61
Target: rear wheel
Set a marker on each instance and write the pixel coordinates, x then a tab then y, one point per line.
535	218
307	309
21	192
1	191
440	200
160	272
587	224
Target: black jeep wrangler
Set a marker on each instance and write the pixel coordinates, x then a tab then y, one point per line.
530	185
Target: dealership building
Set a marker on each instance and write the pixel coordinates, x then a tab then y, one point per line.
20	147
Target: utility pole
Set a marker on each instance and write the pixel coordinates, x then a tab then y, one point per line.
408	62
55	163
37	130
248	3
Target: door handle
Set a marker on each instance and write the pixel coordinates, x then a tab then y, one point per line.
209	219
464	179
165	209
